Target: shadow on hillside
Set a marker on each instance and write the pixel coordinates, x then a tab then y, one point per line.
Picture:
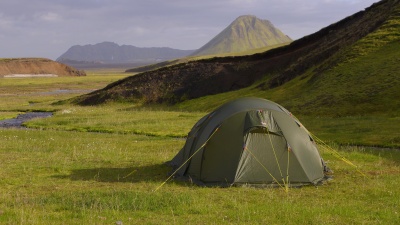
156	172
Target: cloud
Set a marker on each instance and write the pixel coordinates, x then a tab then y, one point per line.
48	16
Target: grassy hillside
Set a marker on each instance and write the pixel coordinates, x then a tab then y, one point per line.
367	85
361	79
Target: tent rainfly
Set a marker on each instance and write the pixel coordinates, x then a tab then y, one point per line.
250	141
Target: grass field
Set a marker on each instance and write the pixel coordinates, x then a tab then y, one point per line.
102	165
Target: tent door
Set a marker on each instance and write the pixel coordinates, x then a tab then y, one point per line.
264	157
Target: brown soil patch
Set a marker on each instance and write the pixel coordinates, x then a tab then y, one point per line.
36	66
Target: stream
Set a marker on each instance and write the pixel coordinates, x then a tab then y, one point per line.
20	119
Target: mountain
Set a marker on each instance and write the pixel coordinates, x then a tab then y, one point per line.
348	68
246	32
112	53
36	66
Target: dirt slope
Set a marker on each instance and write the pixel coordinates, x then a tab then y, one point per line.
36	66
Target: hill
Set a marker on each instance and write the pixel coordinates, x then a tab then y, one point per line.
109	53
154	66
350	66
36	66
244	33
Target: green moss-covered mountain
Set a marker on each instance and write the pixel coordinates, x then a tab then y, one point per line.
348	68
246	32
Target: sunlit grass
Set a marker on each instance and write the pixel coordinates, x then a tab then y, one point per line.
59	177
380	131
120	118
101	165
7	115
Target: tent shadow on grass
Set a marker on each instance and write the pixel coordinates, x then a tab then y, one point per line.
160	172
157	172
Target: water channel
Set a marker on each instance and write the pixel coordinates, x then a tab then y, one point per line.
20	119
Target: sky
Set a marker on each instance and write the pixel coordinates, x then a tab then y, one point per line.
48	28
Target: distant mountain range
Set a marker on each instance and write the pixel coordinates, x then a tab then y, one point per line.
245	33
108	53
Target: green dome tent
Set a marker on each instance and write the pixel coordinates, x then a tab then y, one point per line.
249	141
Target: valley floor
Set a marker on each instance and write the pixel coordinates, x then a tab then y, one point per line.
102	165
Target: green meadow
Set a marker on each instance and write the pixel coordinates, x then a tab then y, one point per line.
103	164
